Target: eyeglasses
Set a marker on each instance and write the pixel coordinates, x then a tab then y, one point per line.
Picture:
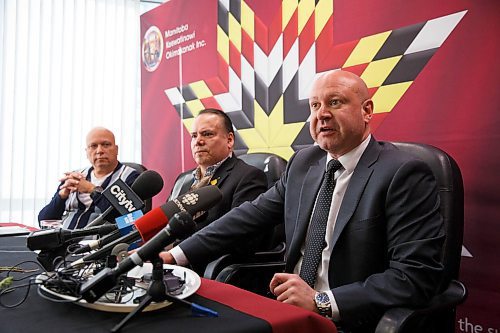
104	145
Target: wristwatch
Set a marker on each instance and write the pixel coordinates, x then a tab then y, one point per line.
323	304
97	190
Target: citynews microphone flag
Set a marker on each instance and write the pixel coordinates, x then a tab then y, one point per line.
122	197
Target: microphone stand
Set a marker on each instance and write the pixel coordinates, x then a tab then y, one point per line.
157	292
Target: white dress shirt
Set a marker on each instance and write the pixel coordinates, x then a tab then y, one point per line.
342	176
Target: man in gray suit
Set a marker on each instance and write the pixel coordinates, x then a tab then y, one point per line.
383	237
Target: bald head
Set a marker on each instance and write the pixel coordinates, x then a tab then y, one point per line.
102	150
99	131
346	79
341	110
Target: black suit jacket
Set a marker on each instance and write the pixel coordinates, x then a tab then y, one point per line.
386	242
238	182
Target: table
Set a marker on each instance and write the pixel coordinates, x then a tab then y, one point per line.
13	228
239	310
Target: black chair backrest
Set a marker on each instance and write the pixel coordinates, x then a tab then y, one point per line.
141	168
272	164
451	195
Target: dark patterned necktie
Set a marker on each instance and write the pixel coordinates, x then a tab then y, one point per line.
315	240
202	181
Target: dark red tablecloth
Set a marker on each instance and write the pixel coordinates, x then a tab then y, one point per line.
239	310
284	318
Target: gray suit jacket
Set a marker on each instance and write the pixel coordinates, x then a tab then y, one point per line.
387	238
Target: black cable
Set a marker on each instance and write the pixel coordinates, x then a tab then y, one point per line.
11	289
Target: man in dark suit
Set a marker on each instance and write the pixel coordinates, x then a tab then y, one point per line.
212	141
383	237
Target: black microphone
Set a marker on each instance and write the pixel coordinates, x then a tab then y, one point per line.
180	226
152	222
148	184
54	238
98	243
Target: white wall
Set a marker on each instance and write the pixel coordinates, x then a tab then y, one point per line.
65	66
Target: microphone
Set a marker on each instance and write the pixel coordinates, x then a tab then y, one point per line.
98	243
152	222
124	224
54	238
180	226
148	184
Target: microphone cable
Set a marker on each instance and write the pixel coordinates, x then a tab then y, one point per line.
7	286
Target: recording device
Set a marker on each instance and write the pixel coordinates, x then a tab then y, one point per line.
122	198
152	222
54	238
180	226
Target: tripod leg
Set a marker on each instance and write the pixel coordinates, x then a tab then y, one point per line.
156	292
145	302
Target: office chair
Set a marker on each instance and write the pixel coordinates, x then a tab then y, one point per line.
440	312
148	203
273	166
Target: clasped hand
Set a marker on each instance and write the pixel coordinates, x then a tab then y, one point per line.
72	182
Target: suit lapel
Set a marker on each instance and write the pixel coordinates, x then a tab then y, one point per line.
309	190
182	185
357	184
223	171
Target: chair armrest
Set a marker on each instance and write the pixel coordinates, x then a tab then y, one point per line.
216	266
395	319
254	277
257	268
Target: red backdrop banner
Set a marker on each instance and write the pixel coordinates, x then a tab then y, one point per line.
431	67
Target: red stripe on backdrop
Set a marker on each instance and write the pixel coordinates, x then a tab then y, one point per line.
453	104
284	318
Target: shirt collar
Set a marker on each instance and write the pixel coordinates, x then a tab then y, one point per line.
210	170
351	159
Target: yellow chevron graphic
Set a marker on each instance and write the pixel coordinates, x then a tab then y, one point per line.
270	134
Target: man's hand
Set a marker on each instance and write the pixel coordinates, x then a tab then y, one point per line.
72	182
291	289
167	258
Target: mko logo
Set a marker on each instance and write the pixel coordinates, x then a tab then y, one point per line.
152	49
